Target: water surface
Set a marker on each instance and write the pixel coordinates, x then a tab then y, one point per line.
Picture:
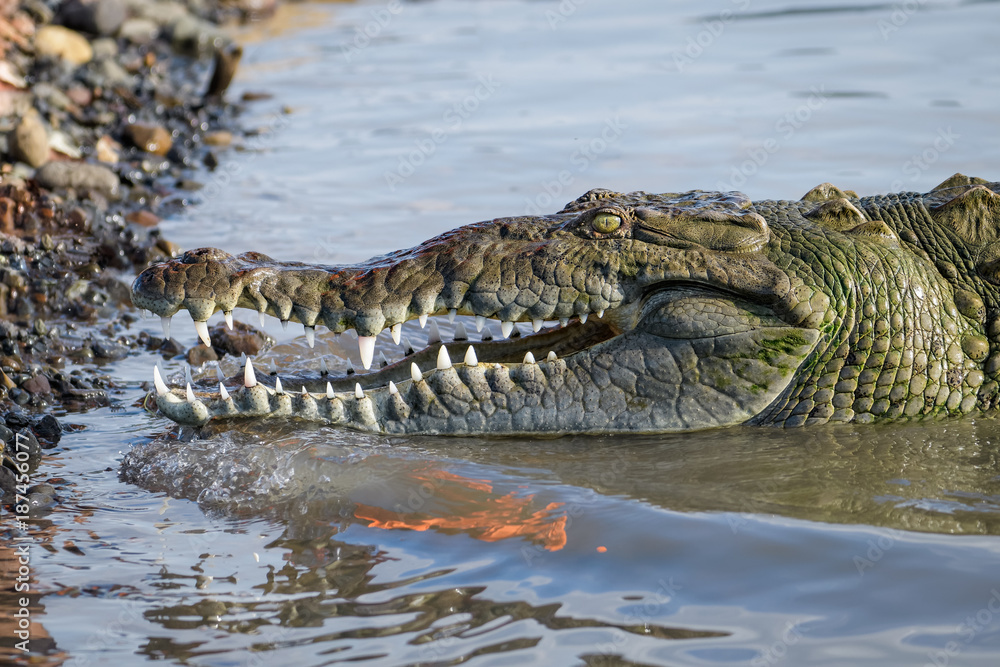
294	544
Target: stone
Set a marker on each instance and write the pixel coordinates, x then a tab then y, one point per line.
143	218
149	137
98	17
107	150
8	482
139	30
243	339
200	354
109	349
218	138
78	175
31	141
104	47
37	385
60	42
48	430
192	35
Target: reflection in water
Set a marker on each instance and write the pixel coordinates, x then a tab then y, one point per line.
478	511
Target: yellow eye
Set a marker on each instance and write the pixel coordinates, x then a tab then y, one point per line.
605	223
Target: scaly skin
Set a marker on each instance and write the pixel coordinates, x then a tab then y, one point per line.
684	311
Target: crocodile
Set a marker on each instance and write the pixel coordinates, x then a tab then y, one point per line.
649	313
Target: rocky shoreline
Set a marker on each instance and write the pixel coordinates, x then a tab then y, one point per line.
107	109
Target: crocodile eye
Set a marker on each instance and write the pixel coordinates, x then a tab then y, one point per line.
605	223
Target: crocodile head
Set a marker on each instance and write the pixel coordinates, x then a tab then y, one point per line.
651	313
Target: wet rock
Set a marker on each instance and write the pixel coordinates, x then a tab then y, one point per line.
31	141
78	175
48	431
41	496
243	339
192	35
6	435
8	482
150	138
105	47
37	385
60	42
200	354
98	17
218	138
226	62
111	73
79	95
171	348
163	13
25	441
107	150
139	30
14	102
109	350
143	218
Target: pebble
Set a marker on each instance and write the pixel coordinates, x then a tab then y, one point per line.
192	35
31	141
98	17
200	354
243	339
143	218
107	150
61	42
105	47
139	30
150	138
109	349
79	175
36	385
48	430
8	481
218	138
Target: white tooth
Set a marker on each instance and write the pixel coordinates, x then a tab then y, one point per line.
323	370
583	318
600	313
563	321
277	385
189	394
329	391
536	325
249	379
161	386
222	392
460	332
452	314
382	360
470	357
433	333
415	373
480	322
407	347
260	316
304	392
229	319
487	334
187	375
552	356
310	335
218	373
392	388
350	367
366	345
284	325
423	320
444	361
202	329
505	329
165	323
243	358
529	358
358	391
397	332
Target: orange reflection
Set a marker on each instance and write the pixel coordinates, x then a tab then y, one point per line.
478	511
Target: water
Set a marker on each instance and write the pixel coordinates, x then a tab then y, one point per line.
293	544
